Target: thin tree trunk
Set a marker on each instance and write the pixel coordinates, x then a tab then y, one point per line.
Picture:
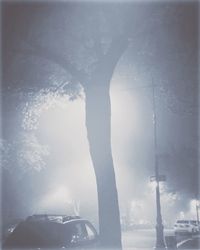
98	123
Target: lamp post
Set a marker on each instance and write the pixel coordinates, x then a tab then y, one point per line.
197	210
160	243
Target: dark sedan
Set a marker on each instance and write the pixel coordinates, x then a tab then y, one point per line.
52	231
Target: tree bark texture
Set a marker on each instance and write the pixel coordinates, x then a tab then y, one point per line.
98	123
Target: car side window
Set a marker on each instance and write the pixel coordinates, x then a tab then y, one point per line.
91	235
79	229
79	233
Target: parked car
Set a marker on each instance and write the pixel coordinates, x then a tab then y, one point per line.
52	231
8	228
193	243
197	224
186	226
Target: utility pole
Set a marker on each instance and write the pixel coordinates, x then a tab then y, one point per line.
160	243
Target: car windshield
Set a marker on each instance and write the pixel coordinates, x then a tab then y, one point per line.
194	222
183	221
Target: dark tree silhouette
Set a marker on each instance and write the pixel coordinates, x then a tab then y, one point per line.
81	43
100	58
98	119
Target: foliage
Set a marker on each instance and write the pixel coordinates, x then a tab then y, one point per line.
45	99
23	155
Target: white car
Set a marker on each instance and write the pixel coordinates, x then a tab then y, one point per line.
186	226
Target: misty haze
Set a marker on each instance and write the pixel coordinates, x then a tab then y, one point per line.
100	130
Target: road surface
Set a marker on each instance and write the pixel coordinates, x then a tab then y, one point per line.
145	239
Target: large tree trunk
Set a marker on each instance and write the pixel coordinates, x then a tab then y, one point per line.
98	123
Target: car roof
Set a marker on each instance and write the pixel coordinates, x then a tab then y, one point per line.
60	219
193	243
51	217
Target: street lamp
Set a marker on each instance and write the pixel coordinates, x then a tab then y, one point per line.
160	243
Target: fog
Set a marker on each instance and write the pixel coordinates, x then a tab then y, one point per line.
47	167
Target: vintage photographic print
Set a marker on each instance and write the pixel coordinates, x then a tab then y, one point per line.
100	124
